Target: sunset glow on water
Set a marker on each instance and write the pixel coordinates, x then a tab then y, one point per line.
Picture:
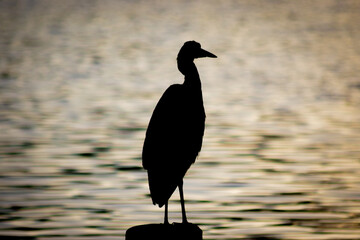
79	81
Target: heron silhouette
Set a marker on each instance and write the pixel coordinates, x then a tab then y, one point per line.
175	132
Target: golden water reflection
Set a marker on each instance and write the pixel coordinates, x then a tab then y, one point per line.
78	83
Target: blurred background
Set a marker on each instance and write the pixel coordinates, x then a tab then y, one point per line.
79	81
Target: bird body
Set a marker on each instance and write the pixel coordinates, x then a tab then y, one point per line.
173	140
175	132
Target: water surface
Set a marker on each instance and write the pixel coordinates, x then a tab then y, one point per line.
79	81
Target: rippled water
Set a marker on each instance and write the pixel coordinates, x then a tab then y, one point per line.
79	81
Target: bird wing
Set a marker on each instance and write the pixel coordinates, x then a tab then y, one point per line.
174	135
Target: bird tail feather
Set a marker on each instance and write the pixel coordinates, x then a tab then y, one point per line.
162	185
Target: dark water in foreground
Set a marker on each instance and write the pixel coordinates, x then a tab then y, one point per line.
78	83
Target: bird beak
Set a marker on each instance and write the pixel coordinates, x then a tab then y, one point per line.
203	53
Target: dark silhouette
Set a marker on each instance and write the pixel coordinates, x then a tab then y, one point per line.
172	143
176	231
175	132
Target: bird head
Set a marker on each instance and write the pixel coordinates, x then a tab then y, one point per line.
191	50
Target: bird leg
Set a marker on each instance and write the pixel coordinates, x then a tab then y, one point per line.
166	221
182	201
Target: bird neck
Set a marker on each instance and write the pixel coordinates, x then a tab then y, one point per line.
188	68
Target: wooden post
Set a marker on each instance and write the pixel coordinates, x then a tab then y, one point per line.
175	231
